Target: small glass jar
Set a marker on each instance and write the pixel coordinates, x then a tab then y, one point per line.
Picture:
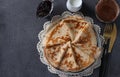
74	5
107	10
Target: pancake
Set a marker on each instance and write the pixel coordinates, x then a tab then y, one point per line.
71	44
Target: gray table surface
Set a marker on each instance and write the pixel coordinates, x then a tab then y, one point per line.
19	29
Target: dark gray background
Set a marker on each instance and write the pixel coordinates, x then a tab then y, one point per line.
19	29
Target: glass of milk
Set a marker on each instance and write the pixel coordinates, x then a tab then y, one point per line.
74	5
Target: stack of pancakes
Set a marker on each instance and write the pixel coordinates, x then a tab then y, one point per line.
71	44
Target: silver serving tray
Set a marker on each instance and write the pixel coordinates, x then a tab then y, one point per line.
86	72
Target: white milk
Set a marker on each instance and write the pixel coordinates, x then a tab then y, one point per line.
74	5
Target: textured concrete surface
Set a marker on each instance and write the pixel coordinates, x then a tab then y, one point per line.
19	29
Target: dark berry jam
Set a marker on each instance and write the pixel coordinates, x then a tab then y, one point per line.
44	8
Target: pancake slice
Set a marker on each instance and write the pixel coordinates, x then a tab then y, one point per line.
82	59
58	35
55	54
69	63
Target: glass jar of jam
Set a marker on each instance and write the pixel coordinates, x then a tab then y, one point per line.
107	10
45	8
